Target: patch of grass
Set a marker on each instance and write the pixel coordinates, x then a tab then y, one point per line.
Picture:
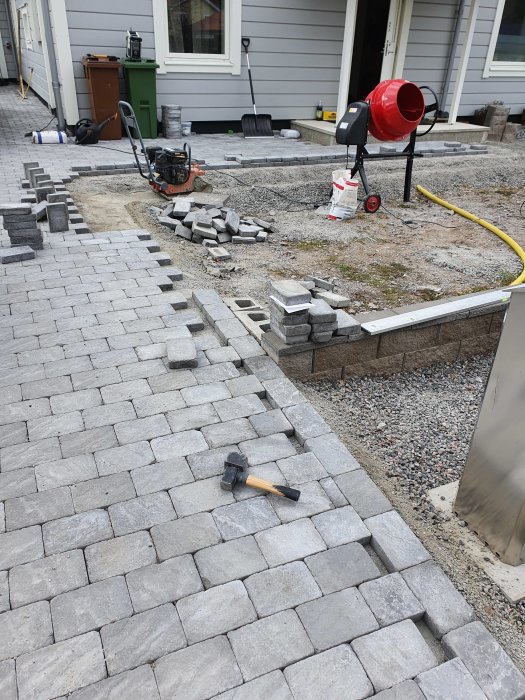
506	191
352	273
429	295
390	271
507	277
315	244
393	295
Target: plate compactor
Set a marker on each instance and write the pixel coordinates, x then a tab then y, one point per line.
169	171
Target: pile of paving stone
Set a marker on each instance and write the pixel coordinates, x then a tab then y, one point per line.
210	225
309	310
20	224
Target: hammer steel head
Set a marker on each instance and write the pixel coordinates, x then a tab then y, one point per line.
234	466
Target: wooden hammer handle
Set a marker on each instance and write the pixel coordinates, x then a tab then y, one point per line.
257	483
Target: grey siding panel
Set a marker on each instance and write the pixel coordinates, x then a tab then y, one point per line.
6	37
34	58
295	56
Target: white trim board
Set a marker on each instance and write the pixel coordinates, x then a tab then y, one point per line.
3	65
64	60
500	69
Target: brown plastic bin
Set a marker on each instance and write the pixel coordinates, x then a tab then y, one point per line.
102	75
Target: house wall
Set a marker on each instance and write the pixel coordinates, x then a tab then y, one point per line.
295	56
33	58
6	37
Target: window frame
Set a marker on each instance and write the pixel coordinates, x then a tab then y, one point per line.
228	62
501	69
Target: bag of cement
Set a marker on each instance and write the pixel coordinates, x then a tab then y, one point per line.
343	204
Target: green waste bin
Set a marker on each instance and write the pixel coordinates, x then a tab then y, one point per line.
142	94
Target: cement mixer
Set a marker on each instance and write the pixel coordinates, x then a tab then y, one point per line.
391	112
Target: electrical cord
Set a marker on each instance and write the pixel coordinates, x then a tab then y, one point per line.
30	133
409	222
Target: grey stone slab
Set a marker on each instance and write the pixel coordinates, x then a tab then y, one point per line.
301	468
158	403
53	426
230	328
232	431
407	690
142	638
20	482
271	422
281	587
108	414
245	518
138	684
88	441
185	535
247	384
394	654
335	674
247	347
216	312
181	353
8	688
263	367
119	556
163	583
193	417
228	561
395	542
204	297
215	611
141	513
210	463
341	526
312	500
102	492
445	608
142	429
306	421
90	607
269	644
37	508
363	494
63	472
490	666
289	292
391	600
223	354
161	476
282	393
4	592
271	685
199	496
267	449
12	255
24	410
332	454
20	547
125	391
216	373
45	578
76	531
13	434
239	407
124	458
198	672
288	542
342	567
179	445
449	680
25	629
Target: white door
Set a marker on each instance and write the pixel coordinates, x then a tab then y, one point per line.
3	65
391	39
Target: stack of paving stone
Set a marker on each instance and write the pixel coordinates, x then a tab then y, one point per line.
211	225
171	121
21	226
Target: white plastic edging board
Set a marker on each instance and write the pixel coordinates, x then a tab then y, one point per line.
392	323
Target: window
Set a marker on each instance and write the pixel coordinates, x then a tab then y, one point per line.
25	23
198	35
506	54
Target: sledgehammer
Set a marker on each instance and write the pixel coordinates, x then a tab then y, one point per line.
235	473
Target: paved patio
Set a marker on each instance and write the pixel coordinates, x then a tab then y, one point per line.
125	570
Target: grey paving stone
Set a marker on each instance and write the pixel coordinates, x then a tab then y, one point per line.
29	454
363	494
193	417
199	496
270	422
205	393
4	592
223	354
210	463
25	629
179	445
185	536
449	680
395	542
445	608
142	638
90	608
172	381
281	587
95	378
142	429
13	434
342	567
407	690
262	366
46	387
341	526
76	531
313	500
161	476
102	492
37	508
247	384
24	410
124	458
158	403
229	561
301	468
53	426
20	482
245	518
119	556
141	513
230	328
232	431
335	674
332	454
63	472
45	578
8	688
281	393
394	654
288	542
246	347
306	421
490	666
198	672
289	292
203	297
239	407
272	685
215	611
163	583
269	644
20	547
391	600
125	391
138	684
61	668
267	449
108	414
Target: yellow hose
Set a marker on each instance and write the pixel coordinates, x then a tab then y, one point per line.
472	217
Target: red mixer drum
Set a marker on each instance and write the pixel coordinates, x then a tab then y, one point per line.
396	108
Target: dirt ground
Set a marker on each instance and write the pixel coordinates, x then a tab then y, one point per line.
376	260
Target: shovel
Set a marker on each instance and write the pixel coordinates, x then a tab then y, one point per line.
254	125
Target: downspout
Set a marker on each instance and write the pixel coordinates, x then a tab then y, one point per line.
55	81
9	10
451	58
